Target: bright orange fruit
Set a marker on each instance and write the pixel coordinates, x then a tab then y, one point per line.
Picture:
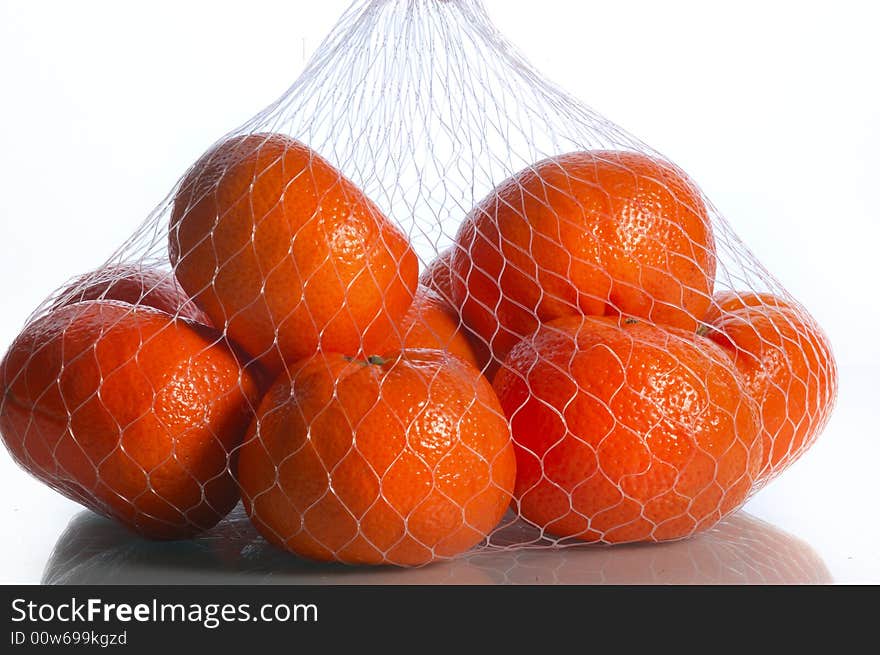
129	411
135	284
597	233
788	367
625	431
401	460
725	302
286	254
430	323
438	278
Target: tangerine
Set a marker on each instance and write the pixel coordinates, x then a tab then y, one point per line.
130	412
285	253
594	232
431	324
399	460
137	285
788	367
625	431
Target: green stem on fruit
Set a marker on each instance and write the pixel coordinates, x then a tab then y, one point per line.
376	360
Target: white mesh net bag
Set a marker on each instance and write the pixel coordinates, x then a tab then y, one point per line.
424	303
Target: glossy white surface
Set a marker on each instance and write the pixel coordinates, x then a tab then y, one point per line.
772	108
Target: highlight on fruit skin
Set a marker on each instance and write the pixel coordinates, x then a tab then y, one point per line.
592	232
129	411
787	364
399	459
285	254
625	431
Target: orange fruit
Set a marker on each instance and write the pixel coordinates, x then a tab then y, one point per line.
625	431
135	284
725	302
438	278
786	362
129	411
400	460
596	233
430	323
286	254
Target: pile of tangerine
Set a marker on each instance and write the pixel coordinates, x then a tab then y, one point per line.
566	358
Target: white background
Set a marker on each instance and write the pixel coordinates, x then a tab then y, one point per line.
773	107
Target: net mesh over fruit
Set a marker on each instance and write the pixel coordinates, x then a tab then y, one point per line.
425	302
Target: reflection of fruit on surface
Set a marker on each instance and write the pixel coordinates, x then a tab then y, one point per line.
739	550
130	412
400	460
282	250
625	431
430	323
96	551
597	233
788	367
93	550
138	285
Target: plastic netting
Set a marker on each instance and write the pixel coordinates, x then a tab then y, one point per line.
425	302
